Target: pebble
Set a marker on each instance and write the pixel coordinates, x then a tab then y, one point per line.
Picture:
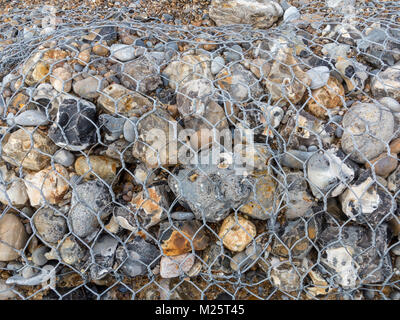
172	267
64	157
12	189
391	103
129	129
291	13
386	83
19	150
233	54
236	235
31	118
113	126
319	77
138	258
123	52
70	251
38	256
61	79
47	186
90	200
80	130
362	143
6	292
50	225
103	252
217	64
97	167
13	237
89	88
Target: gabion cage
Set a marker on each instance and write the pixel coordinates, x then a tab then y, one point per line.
252	159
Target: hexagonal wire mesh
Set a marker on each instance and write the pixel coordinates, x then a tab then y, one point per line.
150	161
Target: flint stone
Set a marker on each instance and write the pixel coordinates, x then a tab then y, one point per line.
13	237
64	157
387	83
90	201
50	226
75	126
138	257
367	129
103	252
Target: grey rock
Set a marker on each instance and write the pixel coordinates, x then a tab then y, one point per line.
334	50
123	52
182	216
38	257
50	226
295	159
28	272
234	53
291	13
130	130
394	180
391	103
103	252
112	126
46	273
31	118
210	191
387	83
367	129
90	201
64	157
217	64
89	88
319	76
328	174
138	258
75	125
396	250
367	203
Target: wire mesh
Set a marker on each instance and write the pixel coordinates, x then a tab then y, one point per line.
143	160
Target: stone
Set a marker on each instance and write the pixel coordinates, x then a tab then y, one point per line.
354	74
217	64
394	180
237	232
29	148
387	83
383	165
188	67
12	189
6	292
262	199
367	129
244	260
182	216
291	13
97	167
328	173
157	142
172	267
89	88
199	111
47	186
296	238
182	237
260	14
70	252
123	52
141	75
129	129
120	150
13	237
286	276
38	256
151	206
64	157
117	99
101	49
217	259
239	84
50	226
319	77
286	71
361	254
112	126
83	57
367	203
298	199
295	159
210	190
391	103
138	258
234	53
61	79
331	97
91	201
75	125
31	118
103	253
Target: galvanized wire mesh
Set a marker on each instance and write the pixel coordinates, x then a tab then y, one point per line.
149	161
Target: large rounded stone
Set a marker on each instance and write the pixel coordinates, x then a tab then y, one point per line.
13	237
50	226
367	131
